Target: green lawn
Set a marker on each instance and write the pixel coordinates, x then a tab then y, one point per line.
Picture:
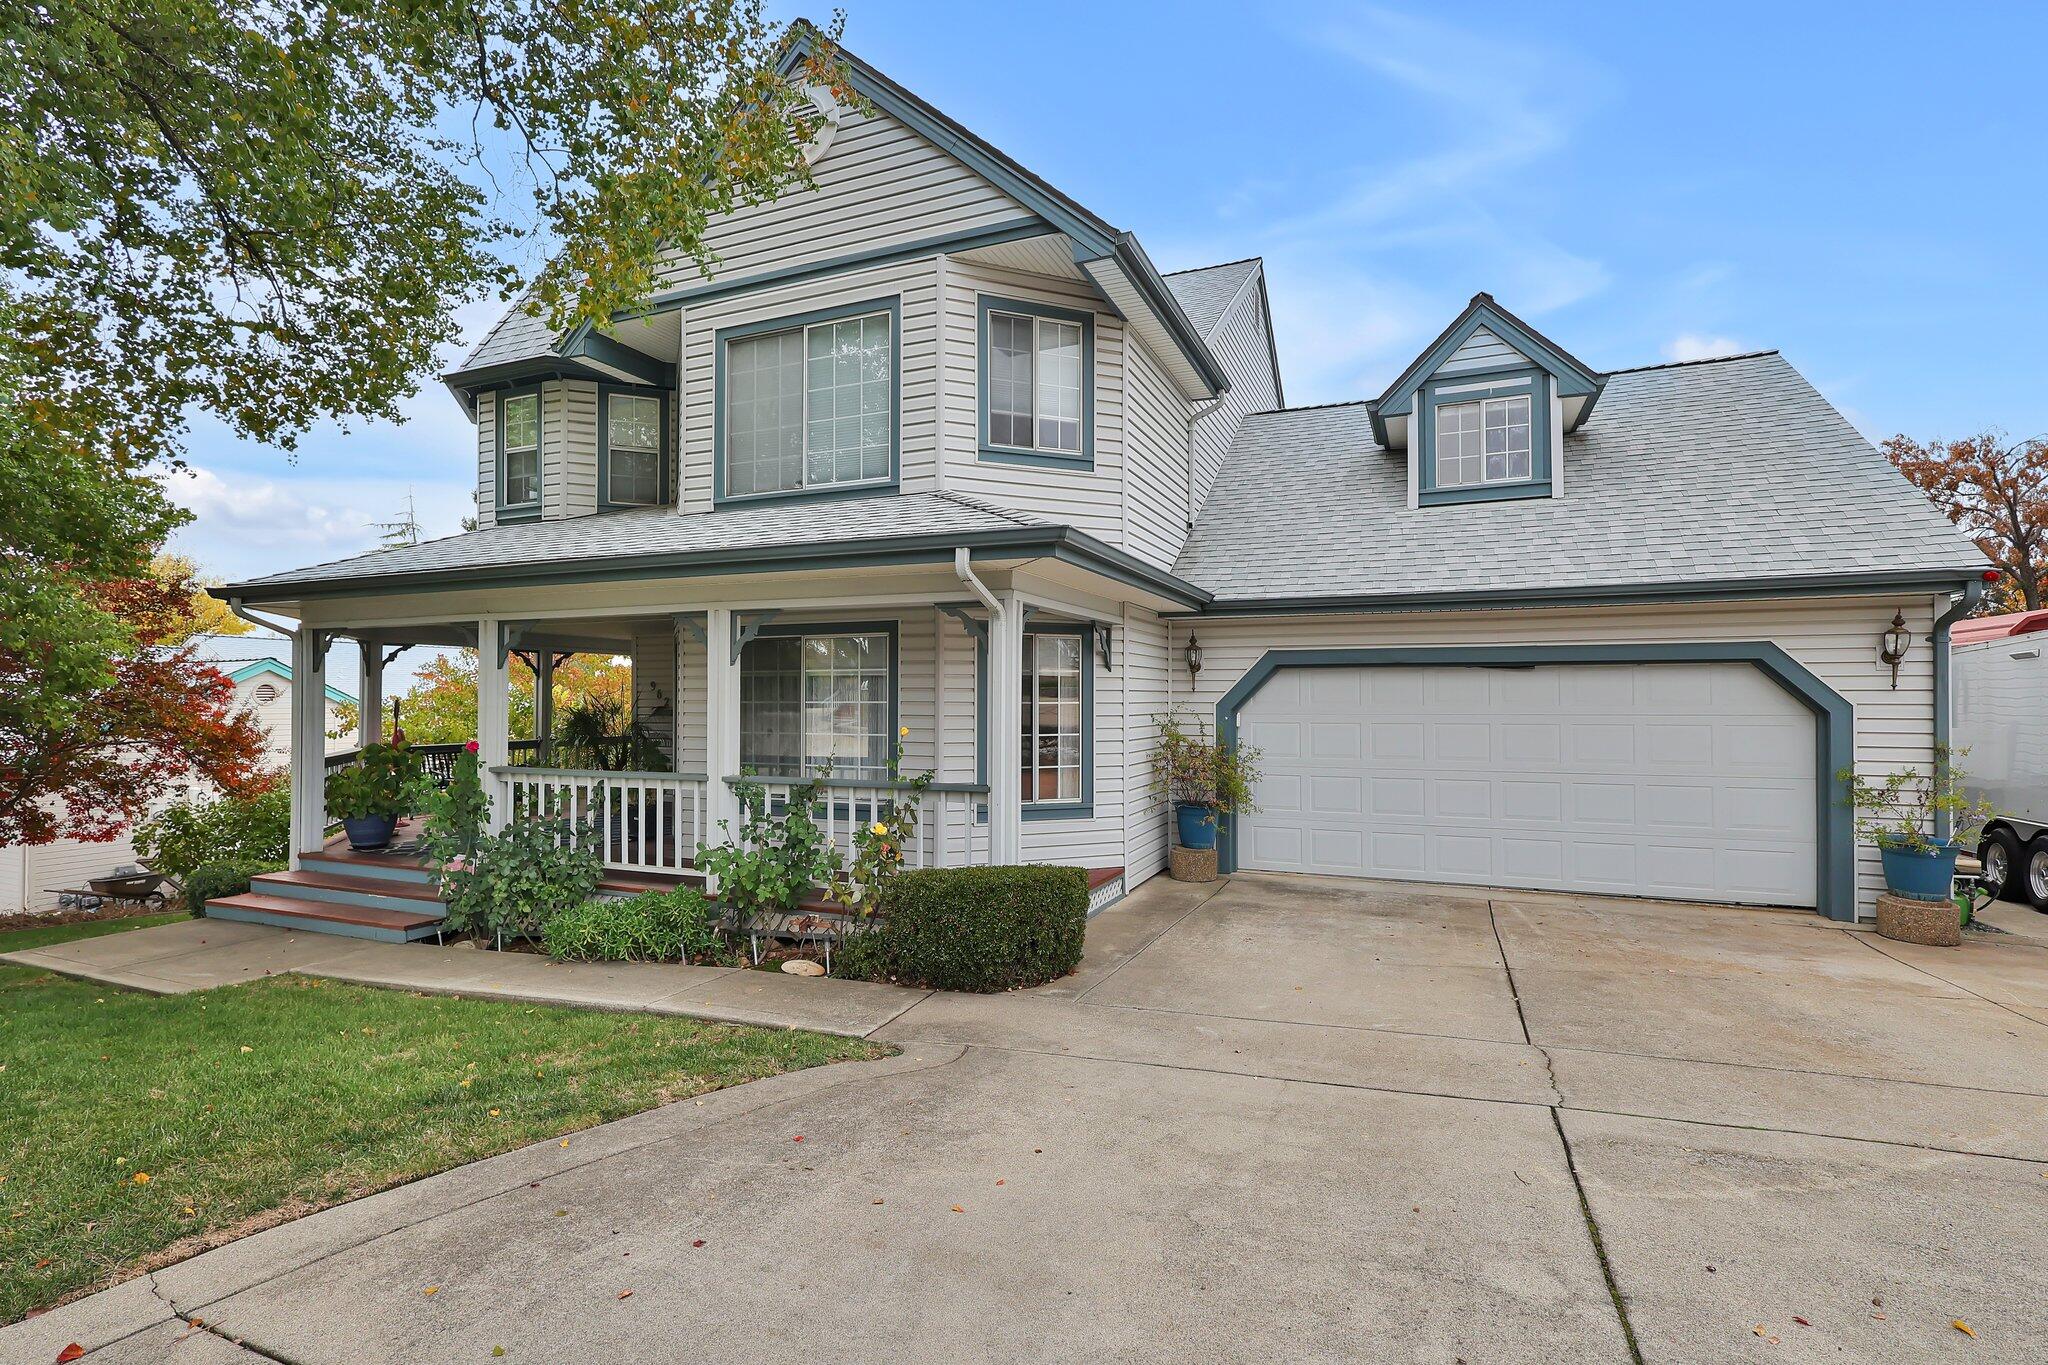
251	1103
14	940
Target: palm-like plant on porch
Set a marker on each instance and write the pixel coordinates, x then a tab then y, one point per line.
598	733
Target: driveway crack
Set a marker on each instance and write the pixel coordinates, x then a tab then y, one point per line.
1571	1163
198	1324
1865	940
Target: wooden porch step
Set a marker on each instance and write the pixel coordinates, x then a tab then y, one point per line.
315	913
334	881
1102	876
633	883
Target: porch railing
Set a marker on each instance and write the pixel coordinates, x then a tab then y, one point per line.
437	761
643	821
952	821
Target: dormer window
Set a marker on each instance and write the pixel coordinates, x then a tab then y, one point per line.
1483	442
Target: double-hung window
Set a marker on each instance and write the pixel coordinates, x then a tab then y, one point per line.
1054	714
1486	441
811	406
810	699
519	451
633	449
1035	400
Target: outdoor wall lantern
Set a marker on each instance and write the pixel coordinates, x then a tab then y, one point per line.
1893	645
1193	654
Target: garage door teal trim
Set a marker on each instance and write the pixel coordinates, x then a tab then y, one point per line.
1835	723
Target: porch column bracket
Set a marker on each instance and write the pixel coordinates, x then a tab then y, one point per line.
560	657
530	658
508	636
1029	612
1103	643
393	653
692	622
744	632
974	625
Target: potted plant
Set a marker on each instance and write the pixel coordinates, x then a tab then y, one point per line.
1901	812
1202	778
371	793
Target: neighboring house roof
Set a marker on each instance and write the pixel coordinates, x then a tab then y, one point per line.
258	652
1998	627
887	527
1721	475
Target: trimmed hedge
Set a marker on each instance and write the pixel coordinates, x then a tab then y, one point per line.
973	929
210	881
654	926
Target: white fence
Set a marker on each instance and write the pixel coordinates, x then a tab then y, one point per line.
952	819
643	822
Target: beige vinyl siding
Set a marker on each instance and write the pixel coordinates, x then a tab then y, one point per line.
691	745
487	459
1482	351
654	683
30	876
913	283
1160	429
1837	640
13	879
572	474
1090	500
1241	348
878	185
1145	666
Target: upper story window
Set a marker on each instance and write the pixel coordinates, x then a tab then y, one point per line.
635	449
1037	371
519	451
809	404
1482	442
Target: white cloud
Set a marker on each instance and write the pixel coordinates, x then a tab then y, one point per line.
261	512
246	524
1698	346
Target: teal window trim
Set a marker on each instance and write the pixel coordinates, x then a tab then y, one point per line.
893	306
1834	722
1440	390
988	450
799	629
525	511
1084	808
605	393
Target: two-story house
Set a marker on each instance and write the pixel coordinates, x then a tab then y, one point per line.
937	455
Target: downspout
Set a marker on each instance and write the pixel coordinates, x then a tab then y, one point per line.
1973	594
236	608
963	569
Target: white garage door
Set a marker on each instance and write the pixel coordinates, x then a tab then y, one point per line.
1680	780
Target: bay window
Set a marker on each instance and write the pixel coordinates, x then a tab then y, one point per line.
808	404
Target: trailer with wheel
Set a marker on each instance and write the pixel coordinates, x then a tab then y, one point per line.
1999	731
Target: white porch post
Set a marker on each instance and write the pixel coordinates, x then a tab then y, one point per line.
1005	754
493	712
544	704
370	721
309	743
721	721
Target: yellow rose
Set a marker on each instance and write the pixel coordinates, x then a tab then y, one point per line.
879	828
903	732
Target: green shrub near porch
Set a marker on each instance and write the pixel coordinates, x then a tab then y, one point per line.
228	877
654	926
973	929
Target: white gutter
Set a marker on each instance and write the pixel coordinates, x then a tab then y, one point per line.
236	608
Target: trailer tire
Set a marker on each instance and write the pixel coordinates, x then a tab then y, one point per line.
2037	874
2004	870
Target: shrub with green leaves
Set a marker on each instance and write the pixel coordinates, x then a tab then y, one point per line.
520	879
230	877
228	829
973	929
654	926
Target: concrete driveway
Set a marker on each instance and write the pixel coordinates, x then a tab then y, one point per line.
1276	1118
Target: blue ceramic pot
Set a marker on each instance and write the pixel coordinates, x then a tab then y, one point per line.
370	831
1197	824
1919	876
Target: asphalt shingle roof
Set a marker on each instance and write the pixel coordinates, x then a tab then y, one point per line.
1204	292
661	530
1726	470
518	335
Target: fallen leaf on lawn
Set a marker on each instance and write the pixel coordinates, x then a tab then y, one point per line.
464	1081
625	1293
565	1142
188	1210
247	1048
120	1161
1962	1327
46	1260
71	1352
141	1177
494	1113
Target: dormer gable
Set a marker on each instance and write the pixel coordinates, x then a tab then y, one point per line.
1482	413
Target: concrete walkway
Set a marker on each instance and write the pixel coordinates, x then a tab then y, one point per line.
1280	1117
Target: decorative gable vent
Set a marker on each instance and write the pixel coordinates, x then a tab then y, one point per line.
266	693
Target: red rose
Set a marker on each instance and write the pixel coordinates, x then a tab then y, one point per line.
472	746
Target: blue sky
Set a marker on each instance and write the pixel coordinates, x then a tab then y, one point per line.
1863	189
